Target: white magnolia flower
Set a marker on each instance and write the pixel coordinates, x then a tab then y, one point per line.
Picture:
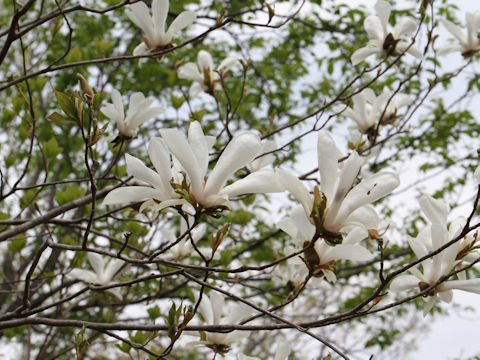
205	76
214	312
430	239
282	352
291	274
193	154
321	258
184	249
153	26
340	203
103	273
138	112
264	160
384	41
159	188
468	41
368	109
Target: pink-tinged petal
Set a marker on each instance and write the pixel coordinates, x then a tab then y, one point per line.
327	156
404	282
363	53
190	71
456	31
83	275
206	310
238	153
383	10
365	216
198	141
369	190
295	187
205	61
97	262
183	20
434	209
140	172
472	285
347	252
374	28
259	182
160	13
404	26
178	145
139	14
131	194
228	63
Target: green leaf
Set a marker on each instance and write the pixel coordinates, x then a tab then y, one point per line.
154	312
69	194
51	148
67	104
177	101
59	118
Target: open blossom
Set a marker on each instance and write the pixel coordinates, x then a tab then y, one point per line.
138	112
153	26
103	273
368	109
206	77
338	203
158	188
442	264
321	257
214	312
193	155
468	41
384	41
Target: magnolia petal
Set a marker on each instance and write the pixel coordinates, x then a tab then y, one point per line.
178	145
238	153
476	175
455	30
418	247
347	252
97	262
259	182
365	216
195	89
404	26
447	49
116	292
142	173
472	285
160	13
383	10
404	282
183	20
434	209
205	61
218	303
446	296
83	275
112	268
198	141
456	227
110	111
363	53
141	49
329	275
228	63
288	225
205	308
440	261
283	350
145	115
356	235
139	14
429	305
403	46
190	71
295	187
369	190
128	194
402	100
327	155
374	28
305	229
160	157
